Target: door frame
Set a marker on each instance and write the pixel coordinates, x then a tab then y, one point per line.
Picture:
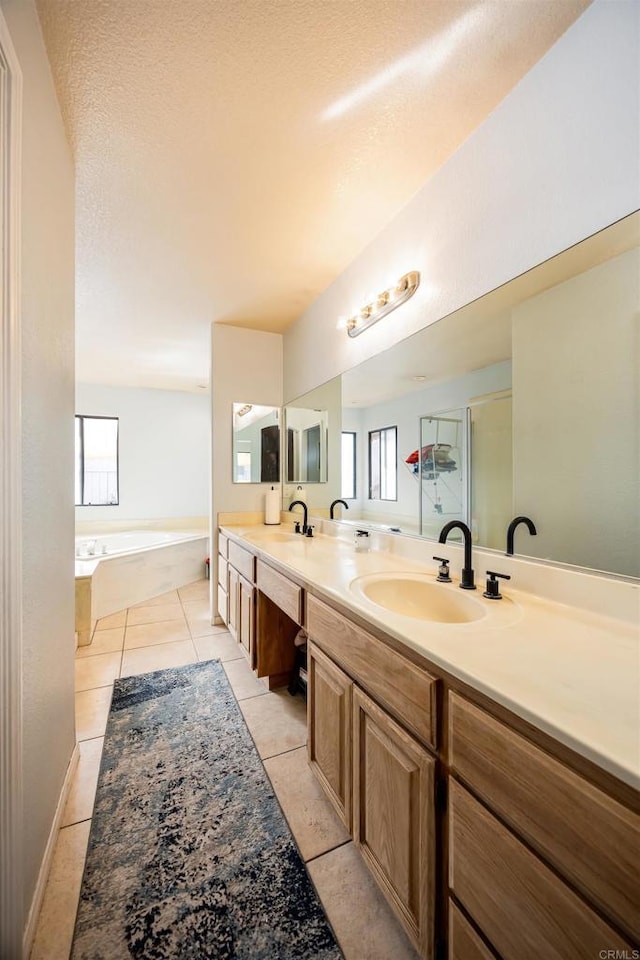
11	833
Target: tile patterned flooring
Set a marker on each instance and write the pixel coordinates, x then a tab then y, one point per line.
168	631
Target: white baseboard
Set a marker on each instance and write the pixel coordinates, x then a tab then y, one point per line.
45	867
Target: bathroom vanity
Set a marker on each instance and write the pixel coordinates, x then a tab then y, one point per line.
486	768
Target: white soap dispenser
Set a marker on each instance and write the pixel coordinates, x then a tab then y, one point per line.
362	541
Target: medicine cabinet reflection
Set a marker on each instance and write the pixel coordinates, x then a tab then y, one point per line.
256	443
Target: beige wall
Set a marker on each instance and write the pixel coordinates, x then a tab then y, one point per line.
246	365
491	472
554	163
575	417
163	447
47	411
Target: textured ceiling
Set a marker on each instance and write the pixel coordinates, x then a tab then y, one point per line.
233	156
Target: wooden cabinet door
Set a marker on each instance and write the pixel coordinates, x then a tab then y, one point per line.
394	816
233	605
329	692
246	617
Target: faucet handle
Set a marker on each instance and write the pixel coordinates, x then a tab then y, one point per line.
492	591
296	528
309	532
443	570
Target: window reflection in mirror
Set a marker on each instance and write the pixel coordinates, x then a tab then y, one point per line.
256	443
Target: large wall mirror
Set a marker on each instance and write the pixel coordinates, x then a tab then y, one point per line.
256	443
524	402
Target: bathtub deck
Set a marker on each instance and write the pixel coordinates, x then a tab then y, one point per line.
105	585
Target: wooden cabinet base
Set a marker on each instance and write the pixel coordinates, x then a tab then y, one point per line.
524	909
275	636
276	680
585	834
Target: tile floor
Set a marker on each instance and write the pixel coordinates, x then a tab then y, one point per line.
168	631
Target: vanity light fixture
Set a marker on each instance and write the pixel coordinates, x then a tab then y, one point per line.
383	304
243	411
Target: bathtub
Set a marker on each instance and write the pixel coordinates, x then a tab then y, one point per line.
115	544
118	570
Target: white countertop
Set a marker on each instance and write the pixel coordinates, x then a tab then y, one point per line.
573	674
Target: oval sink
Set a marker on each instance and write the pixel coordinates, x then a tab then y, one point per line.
414	595
276	533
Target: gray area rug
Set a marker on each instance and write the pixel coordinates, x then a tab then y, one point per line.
189	854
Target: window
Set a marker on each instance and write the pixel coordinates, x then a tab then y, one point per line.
243	467
96	466
348	461
383	464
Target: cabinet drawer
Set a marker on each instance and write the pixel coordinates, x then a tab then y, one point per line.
522	907
464	942
243	560
223	545
223	604
404	689
590	838
284	593
223	568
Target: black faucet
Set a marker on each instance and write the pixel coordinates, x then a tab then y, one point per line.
512	529
302	504
335	502
466	579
